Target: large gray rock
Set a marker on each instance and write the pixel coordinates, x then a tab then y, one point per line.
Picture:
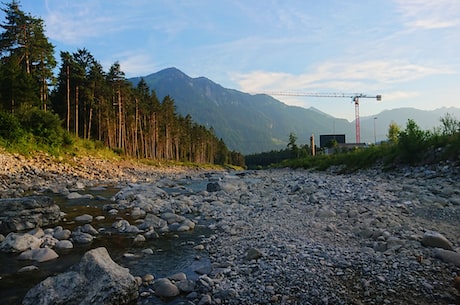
448	256
82	238
213	187
17	214
40	255
19	242
97	279
163	287
436	240
152	221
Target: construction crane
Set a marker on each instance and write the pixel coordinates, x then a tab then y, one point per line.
354	97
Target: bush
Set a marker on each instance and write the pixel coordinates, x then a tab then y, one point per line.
412	142
45	126
10	128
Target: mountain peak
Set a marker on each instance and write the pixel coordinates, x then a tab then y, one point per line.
172	72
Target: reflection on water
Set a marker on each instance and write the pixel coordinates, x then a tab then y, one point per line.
172	253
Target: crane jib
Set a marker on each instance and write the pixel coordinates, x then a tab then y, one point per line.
354	97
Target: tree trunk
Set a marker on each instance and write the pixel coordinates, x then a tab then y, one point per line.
68	98
76	111
120	121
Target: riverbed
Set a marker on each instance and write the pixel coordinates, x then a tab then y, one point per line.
170	253
291	236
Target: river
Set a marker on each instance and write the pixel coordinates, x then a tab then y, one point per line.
172	253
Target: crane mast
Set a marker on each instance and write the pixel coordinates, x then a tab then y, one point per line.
354	97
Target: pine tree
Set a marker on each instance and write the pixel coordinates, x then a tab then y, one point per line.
27	59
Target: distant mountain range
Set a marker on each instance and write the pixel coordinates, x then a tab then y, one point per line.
256	123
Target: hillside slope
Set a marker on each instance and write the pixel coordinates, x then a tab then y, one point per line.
247	123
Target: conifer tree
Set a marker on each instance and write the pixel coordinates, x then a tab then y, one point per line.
27	59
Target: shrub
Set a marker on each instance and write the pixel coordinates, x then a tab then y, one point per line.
45	126
10	128
412	142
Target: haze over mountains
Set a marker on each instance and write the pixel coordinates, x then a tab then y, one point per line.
256	123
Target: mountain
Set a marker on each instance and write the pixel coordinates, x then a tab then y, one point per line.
247	123
257	123
425	119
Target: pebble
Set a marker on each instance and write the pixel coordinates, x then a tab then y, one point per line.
84	218
148	251
28	269
139	238
148	278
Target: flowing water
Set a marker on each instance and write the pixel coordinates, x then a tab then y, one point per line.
172	253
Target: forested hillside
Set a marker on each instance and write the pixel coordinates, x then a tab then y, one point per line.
248	123
89	102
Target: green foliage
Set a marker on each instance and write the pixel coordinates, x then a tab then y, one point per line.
393	132
266	159
450	125
27	59
10	128
412	145
92	104
412	142
292	145
44	126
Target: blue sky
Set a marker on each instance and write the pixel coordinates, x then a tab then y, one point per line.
406	50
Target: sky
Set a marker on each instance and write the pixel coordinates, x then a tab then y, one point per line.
405	50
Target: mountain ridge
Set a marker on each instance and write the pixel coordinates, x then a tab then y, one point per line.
256	123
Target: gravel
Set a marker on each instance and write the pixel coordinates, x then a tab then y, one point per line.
296	236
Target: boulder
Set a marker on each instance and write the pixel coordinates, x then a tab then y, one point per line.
123	226
163	287
85	218
448	256
64	244
61	234
97	279
186	286
436	240
19	242
17	214
48	241
172	217
213	187
75	195
39	255
87	228
152	221
82	238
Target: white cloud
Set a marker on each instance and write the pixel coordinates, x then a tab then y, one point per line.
429	14
338	76
74	22
136	63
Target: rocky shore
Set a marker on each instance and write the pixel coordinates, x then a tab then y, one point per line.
278	236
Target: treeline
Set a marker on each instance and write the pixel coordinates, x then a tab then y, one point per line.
91	103
292	151
405	146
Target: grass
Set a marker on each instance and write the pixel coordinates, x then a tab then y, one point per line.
77	147
387	155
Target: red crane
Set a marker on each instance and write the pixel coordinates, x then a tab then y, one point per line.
354	97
